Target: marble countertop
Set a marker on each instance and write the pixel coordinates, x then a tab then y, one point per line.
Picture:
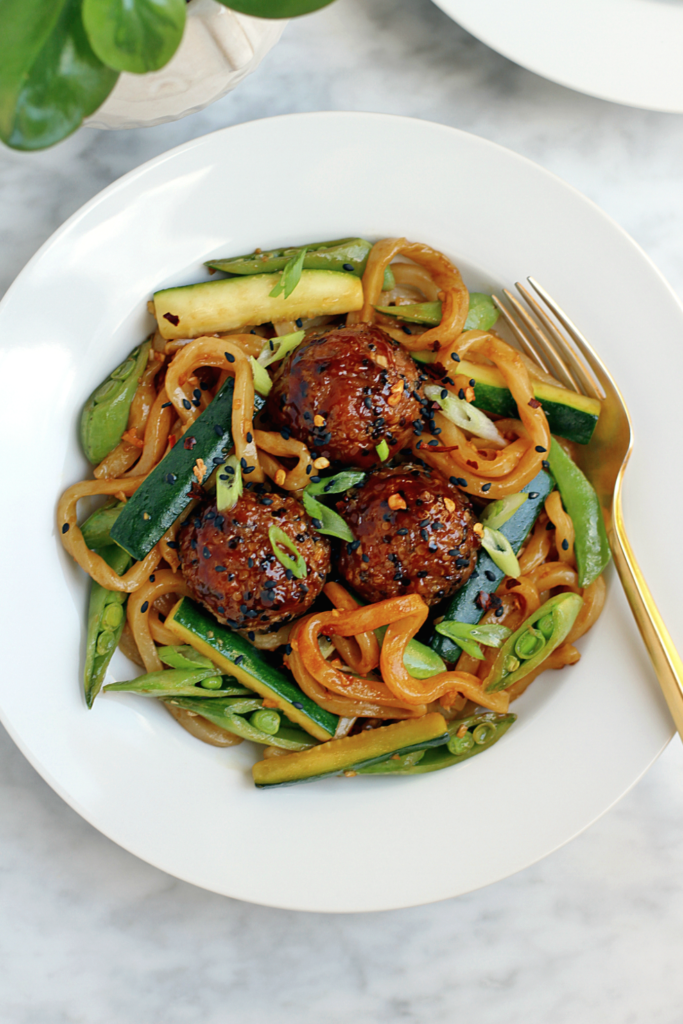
91	934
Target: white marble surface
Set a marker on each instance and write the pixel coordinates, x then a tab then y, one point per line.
593	933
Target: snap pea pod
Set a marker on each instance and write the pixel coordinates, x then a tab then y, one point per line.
106	619
466	737
105	414
535	639
184	656
182	682
591	546
482	313
96	529
221	713
350	254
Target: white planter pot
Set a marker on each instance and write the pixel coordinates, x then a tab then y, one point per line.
219	48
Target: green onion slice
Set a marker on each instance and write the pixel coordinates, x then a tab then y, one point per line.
279	540
331	522
183	656
498	512
291	275
326	520
338	483
382	450
228	484
276	349
467	635
262	381
500	550
464	415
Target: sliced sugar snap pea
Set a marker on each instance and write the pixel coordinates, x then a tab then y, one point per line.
106	619
224	714
105	414
96	529
201	682
530	645
349	254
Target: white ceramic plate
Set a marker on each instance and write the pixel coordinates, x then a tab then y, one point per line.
628	51
584	735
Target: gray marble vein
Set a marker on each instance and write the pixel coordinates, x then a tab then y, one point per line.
594	933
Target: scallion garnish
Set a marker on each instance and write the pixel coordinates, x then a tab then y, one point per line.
382	450
470	636
331	522
464	415
498	512
262	381
276	349
500	550
279	540
228	484
291	275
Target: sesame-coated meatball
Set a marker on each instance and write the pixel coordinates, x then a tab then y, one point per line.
229	565
345	391
414	535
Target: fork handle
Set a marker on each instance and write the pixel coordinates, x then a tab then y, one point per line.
664	656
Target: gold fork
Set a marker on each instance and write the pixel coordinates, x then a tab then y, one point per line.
604	460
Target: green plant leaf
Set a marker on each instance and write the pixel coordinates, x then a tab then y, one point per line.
134	35
64	82
25	25
275	8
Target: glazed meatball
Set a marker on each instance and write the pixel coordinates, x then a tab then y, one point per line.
414	535
229	565
345	391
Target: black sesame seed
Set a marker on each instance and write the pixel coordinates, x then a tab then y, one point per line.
490	575
65	528
299	322
461	393
406	330
532	494
206	552
455	357
219	568
230	357
239	659
565	545
317	523
251	635
498	612
250	437
422	573
171	478
365	558
486	487
144	607
289	574
545	464
540	448
167	405
402	533
172	544
248	470
285	434
297	704
350	267
444	393
152	578
186	404
462	563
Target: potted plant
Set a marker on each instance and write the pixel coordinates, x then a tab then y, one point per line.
60	60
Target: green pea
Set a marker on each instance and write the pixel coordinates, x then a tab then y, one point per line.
546	626
106	642
112	616
212	683
530	644
266	720
484	733
461	744
511	663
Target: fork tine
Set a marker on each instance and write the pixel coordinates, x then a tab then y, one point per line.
590	385
524	343
555	361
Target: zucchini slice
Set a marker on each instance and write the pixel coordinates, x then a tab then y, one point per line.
475	742
352	753
166	492
466	604
569	414
235	656
245	301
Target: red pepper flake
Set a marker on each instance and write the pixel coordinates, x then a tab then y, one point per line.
483	600
189	443
534	403
512	583
172	319
171	440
